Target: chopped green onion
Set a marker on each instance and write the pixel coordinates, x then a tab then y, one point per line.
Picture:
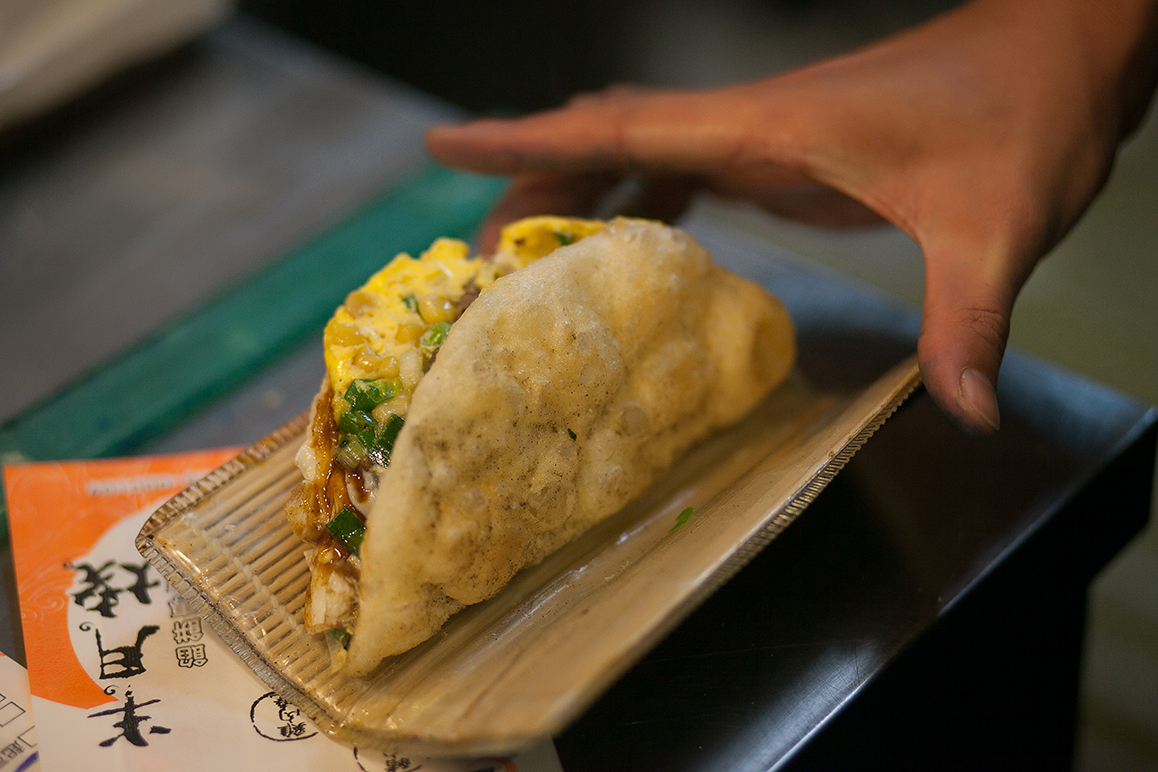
347	528
363	437
380	444
366	395
369	438
682	519
410	302
355	421
571	434
351	452
433	337
389	434
338	636
564	238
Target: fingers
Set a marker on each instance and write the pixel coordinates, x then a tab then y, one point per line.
626	131
965	326
675	142
568	160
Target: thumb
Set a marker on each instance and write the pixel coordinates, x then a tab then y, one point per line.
964	329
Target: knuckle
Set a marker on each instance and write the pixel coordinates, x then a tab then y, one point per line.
990	324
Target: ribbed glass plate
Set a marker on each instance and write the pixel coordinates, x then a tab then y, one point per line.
524	663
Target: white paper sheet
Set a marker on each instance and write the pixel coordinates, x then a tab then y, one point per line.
17	734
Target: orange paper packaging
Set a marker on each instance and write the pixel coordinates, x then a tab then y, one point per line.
123	675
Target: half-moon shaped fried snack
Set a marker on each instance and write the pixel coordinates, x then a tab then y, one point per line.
561	393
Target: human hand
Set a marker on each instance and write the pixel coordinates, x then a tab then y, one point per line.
983	135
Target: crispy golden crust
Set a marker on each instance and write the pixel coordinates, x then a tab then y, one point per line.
560	395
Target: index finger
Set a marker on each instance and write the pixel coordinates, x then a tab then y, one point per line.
706	133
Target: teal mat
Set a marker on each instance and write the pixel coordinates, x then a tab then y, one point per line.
191	363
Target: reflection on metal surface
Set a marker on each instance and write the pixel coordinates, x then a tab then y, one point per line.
835	671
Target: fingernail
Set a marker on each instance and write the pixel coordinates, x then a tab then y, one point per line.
977	396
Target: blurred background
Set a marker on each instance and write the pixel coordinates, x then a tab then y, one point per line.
1089	307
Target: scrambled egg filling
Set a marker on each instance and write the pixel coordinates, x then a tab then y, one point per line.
378	345
389	328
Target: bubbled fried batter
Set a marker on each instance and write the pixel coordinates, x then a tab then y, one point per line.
561	394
